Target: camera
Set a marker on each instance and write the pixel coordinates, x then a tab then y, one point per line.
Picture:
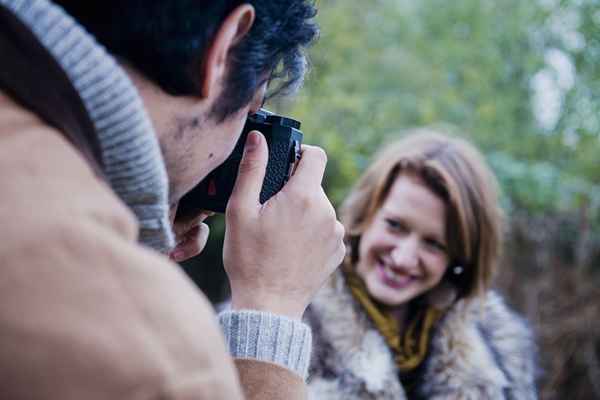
284	140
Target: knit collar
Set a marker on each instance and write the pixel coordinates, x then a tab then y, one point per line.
131	157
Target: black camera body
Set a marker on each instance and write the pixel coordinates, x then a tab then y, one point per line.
284	140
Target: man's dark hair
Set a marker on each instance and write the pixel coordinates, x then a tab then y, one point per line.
167	39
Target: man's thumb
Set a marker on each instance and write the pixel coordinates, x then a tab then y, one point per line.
251	173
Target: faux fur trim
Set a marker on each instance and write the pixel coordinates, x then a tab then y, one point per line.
480	350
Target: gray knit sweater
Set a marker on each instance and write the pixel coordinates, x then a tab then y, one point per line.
135	169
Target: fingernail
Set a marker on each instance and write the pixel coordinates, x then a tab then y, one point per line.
177	255
252	141
205	214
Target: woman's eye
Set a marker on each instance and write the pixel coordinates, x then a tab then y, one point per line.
395	225
436	245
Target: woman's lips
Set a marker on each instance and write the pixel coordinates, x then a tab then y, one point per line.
393	279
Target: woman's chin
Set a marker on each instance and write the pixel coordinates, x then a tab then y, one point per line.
387	295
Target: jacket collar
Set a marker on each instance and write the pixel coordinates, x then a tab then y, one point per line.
361	356
120	135
458	354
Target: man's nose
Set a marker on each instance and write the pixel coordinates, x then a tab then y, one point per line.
405	254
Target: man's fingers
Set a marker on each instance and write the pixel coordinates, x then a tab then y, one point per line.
311	167
251	174
182	226
192	244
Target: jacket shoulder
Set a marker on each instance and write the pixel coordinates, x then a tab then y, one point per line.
484	349
511	337
79	295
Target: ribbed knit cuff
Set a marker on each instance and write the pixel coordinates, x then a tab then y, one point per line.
268	337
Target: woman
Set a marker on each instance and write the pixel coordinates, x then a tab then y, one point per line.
410	313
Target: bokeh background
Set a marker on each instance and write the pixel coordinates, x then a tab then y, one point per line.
520	79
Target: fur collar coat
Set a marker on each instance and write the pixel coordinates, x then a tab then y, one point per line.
479	350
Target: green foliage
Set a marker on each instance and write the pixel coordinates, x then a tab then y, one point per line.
468	66
540	187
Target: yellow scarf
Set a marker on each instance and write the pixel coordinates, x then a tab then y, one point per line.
410	348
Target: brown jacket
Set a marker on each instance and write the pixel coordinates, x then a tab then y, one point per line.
86	312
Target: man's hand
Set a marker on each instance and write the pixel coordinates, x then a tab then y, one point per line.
190	235
277	255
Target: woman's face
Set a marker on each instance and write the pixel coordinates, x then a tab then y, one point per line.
403	253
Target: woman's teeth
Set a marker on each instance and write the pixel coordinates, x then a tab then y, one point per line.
393	276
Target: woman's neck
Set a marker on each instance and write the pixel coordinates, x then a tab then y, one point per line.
399	313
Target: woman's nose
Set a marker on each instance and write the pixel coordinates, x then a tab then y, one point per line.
405	253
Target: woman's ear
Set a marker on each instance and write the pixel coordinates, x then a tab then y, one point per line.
214	66
450	287
455	274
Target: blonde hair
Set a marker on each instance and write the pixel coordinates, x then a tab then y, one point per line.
455	171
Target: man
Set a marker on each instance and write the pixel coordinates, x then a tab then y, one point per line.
87	309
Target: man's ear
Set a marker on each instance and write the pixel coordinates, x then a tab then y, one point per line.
235	26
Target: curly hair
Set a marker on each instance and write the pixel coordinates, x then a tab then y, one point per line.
166	41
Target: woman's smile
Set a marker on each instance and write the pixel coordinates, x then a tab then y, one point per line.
394	277
402	254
